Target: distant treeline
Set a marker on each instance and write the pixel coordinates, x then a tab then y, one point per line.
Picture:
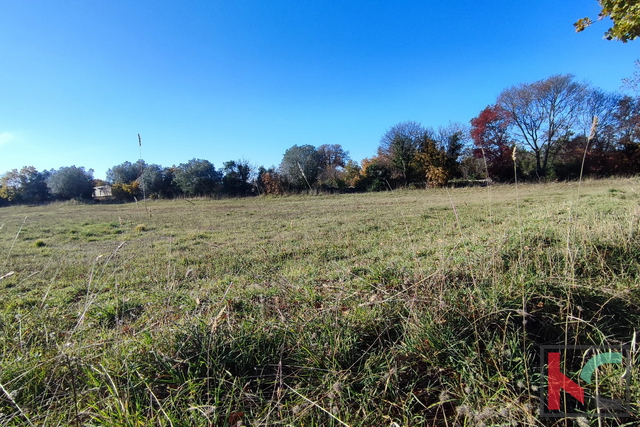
552	129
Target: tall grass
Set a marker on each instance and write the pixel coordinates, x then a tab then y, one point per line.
403	308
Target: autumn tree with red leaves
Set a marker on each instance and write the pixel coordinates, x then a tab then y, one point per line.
489	132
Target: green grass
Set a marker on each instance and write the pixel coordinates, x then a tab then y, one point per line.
412	307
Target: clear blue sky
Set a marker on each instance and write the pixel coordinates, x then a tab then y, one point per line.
223	80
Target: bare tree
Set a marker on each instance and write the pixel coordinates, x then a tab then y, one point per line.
602	105
410	130
627	117
543	112
633	83
453	138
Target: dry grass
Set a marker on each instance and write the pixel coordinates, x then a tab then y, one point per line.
411	307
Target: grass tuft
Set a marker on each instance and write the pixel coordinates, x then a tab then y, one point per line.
140	228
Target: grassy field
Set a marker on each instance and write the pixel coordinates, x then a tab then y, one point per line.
422	307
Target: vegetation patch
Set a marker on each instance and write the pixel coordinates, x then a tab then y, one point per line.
362	309
140	228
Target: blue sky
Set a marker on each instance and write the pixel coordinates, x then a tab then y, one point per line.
223	80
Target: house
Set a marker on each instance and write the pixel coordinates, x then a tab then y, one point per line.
102	192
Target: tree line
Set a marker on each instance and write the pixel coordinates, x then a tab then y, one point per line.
552	129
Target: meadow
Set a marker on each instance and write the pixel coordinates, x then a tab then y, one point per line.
416	307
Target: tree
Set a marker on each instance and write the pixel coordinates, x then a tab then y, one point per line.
627	116
157	181
126	172
71	183
197	178
451	140
603	106
352	173
300	166
269	181
633	82
439	153
332	156
375	175
333	160
409	129
235	181
25	186
490	134
626	158
472	167
434	161
625	15
399	146
543	112
126	192
151	180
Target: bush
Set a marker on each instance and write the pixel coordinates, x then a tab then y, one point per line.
126	192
